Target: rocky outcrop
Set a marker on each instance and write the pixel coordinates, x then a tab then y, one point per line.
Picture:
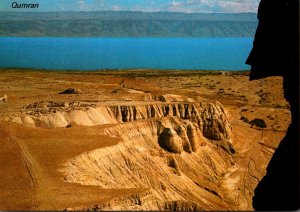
3	99
182	206
193	137
175	178
142	201
159	150
181	131
171	141
71	91
208	118
189	123
174	164
213	122
159	153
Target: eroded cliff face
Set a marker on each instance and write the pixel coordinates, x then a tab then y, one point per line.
153	156
176	152
210	118
134	140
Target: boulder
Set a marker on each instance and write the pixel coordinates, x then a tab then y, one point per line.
3	99
71	91
172	141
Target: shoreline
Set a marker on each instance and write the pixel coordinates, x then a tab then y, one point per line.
14	69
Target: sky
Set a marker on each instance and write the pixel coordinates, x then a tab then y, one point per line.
187	6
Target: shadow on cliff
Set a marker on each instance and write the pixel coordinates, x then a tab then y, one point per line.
276	53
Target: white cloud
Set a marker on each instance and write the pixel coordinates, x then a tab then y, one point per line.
238	6
187	6
230	6
175	4
116	8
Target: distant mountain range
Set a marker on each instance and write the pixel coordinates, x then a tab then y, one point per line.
127	24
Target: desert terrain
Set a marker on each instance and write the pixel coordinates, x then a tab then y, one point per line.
136	139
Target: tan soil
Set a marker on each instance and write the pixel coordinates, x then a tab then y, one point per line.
51	168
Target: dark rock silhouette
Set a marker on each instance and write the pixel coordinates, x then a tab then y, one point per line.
71	91
259	123
276	53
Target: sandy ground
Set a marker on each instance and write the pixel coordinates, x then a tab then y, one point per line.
30	158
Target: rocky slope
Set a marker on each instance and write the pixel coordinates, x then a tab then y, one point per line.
169	149
136	141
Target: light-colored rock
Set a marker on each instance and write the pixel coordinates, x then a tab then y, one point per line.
4	98
172	141
181	131
169	178
193	137
210	118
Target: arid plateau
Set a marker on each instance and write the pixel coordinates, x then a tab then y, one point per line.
136	139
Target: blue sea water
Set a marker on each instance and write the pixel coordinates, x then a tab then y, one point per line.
124	53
